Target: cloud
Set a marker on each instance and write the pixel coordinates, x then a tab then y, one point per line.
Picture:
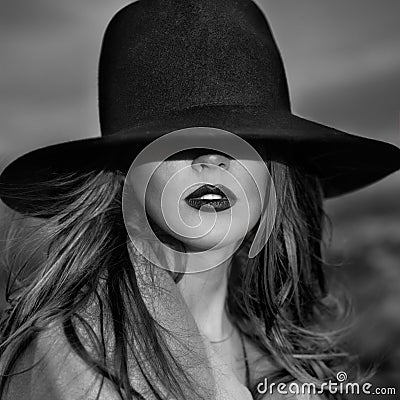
26	16
48	82
369	105
343	62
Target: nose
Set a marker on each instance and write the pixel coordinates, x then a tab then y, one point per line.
210	160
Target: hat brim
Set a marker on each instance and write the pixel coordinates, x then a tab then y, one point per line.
343	162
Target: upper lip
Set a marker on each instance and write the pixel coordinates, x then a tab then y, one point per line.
212	189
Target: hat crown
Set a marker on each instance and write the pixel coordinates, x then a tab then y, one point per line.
163	56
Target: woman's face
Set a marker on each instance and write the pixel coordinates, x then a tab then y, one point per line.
196	222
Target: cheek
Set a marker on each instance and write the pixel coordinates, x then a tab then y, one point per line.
147	181
163	192
254	178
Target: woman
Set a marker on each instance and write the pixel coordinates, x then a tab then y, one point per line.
155	281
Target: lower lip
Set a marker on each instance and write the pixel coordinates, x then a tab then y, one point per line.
210	205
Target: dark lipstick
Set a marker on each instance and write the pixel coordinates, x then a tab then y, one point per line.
211	198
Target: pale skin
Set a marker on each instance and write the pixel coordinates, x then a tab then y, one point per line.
205	292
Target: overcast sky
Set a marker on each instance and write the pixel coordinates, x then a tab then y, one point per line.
342	59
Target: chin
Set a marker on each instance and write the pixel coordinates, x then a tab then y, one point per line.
213	241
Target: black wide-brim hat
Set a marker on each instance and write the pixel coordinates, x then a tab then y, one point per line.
166	65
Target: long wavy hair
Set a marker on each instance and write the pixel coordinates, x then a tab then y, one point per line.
278	299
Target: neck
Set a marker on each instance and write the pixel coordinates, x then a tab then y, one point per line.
205	293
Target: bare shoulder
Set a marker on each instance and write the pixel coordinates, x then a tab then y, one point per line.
50	369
